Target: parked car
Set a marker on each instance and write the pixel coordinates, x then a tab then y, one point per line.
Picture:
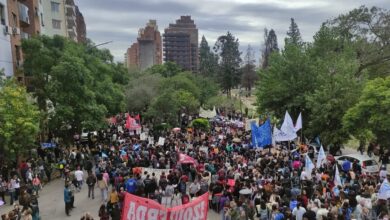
369	165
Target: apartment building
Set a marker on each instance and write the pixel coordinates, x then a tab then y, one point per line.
6	62
147	51
181	44
21	19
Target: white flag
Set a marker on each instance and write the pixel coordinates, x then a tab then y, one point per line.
298	124
337	179
384	191
288	127
321	159
309	166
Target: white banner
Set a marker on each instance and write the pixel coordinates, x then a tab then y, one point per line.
206	113
157	172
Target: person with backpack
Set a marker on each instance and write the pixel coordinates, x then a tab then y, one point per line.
91	181
140	186
263	212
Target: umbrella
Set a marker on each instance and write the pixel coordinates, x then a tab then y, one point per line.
176	129
245	192
330	158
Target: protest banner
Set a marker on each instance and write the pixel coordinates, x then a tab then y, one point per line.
138	208
157	172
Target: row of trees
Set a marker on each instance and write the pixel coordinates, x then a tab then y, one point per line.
164	92
340	81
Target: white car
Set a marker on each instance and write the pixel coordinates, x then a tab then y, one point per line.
368	165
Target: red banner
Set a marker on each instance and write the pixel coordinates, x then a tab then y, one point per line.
138	208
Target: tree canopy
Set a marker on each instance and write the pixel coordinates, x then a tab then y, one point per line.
324	79
82	82
229	73
19	119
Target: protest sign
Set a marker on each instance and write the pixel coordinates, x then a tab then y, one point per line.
161	141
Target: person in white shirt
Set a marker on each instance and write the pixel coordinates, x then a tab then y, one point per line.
298	212
194	188
79	175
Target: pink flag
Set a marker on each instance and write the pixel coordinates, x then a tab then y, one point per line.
184	158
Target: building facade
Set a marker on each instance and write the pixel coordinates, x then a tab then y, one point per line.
147	51
181	44
24	21
81	28
53	20
6	62
21	19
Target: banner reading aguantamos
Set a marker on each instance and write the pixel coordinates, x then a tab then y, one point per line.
138	208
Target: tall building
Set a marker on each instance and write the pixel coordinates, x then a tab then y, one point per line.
62	17
133	56
21	19
181	44
24	21
53	18
81	27
6	62
146	52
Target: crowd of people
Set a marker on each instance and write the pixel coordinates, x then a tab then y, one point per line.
243	182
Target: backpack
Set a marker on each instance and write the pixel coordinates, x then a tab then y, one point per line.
91	181
140	185
204	187
263	214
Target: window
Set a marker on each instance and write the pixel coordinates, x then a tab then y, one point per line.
55	7
56	24
43	24
2	15
15	19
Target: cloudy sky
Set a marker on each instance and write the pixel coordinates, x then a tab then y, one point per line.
119	20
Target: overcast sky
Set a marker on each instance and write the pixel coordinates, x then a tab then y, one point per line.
119	20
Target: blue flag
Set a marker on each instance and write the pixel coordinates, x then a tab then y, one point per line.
255	134
265	134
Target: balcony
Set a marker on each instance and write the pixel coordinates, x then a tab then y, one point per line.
71	21
23	15
70	10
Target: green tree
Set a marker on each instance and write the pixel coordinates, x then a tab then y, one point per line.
229	73
369	117
167	69
141	91
82	82
19	119
368	28
208	61
249	75
285	82
293	34
270	46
